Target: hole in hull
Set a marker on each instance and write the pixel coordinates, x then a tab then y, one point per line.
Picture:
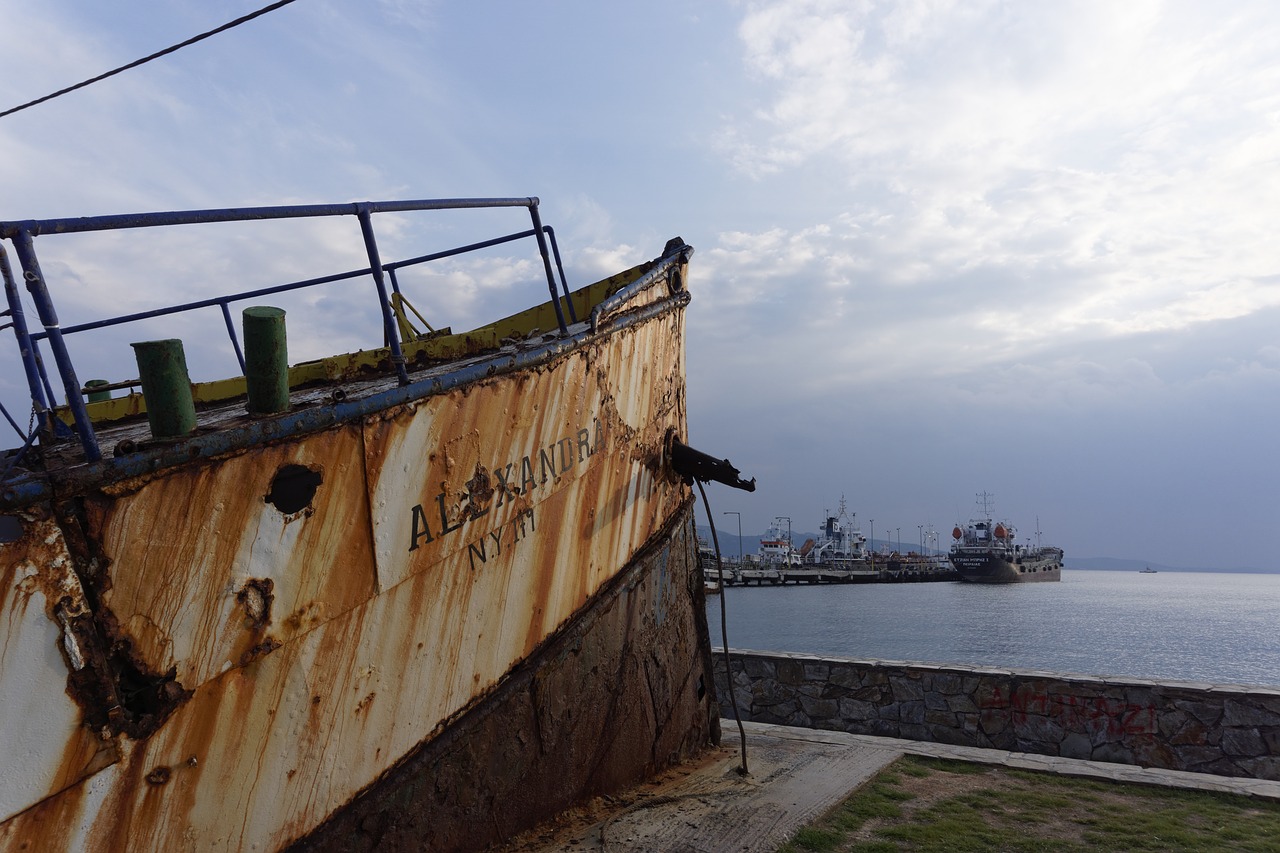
293	488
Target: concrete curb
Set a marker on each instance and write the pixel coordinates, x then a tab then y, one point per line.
1026	761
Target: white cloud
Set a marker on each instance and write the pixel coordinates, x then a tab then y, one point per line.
1105	169
923	226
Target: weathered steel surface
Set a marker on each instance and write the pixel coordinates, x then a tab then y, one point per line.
275	628
256	574
620	694
43	746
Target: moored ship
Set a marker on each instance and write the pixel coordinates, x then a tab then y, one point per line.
840	545
419	596
776	549
837	555
987	551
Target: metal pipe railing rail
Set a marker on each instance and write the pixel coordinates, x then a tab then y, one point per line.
21	234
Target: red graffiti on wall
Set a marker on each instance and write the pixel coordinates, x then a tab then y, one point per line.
1075	713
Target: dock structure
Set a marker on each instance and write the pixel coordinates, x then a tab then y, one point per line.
837	554
911	568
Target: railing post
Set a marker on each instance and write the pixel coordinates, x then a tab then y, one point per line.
26	348
564	283
375	267
546	263
231	332
49	319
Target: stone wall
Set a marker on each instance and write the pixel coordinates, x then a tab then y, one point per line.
1203	728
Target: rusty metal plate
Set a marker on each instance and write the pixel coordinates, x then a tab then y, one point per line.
408	583
43	747
210	565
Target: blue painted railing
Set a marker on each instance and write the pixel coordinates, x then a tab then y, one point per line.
21	235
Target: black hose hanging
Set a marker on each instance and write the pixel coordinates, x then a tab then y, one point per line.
724	631
694	466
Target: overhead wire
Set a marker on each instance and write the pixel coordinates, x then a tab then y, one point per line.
229	25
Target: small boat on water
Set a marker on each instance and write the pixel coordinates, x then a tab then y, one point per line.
987	551
419	596
1147	571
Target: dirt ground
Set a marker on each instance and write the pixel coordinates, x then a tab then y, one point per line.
589	826
825	794
586	826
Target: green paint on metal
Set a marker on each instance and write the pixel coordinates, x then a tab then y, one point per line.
97	396
162	366
338	368
266	360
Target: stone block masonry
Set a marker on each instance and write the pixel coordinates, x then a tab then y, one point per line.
1225	730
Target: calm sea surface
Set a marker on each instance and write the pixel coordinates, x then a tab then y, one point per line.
1188	626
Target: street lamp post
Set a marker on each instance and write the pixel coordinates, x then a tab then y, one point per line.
739	515
898	530
920	530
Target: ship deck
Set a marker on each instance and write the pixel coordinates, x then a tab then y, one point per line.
125	435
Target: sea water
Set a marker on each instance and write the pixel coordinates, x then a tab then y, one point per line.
1184	626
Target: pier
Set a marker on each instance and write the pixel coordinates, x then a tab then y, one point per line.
838	554
911	568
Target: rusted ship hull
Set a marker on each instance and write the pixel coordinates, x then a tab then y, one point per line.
616	697
416	615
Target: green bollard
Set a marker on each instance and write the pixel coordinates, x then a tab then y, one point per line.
266	360
97	396
162	366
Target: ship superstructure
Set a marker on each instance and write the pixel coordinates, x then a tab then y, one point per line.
841	544
775	546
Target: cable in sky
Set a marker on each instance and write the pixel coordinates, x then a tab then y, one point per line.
237	22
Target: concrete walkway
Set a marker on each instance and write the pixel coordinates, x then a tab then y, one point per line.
796	775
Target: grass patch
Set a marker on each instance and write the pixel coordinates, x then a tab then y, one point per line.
932	804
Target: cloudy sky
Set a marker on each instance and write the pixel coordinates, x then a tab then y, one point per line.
941	248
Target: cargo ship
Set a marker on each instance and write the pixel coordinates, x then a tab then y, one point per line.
419	596
775	546
838	555
987	551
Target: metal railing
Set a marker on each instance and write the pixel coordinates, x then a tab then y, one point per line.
21	235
